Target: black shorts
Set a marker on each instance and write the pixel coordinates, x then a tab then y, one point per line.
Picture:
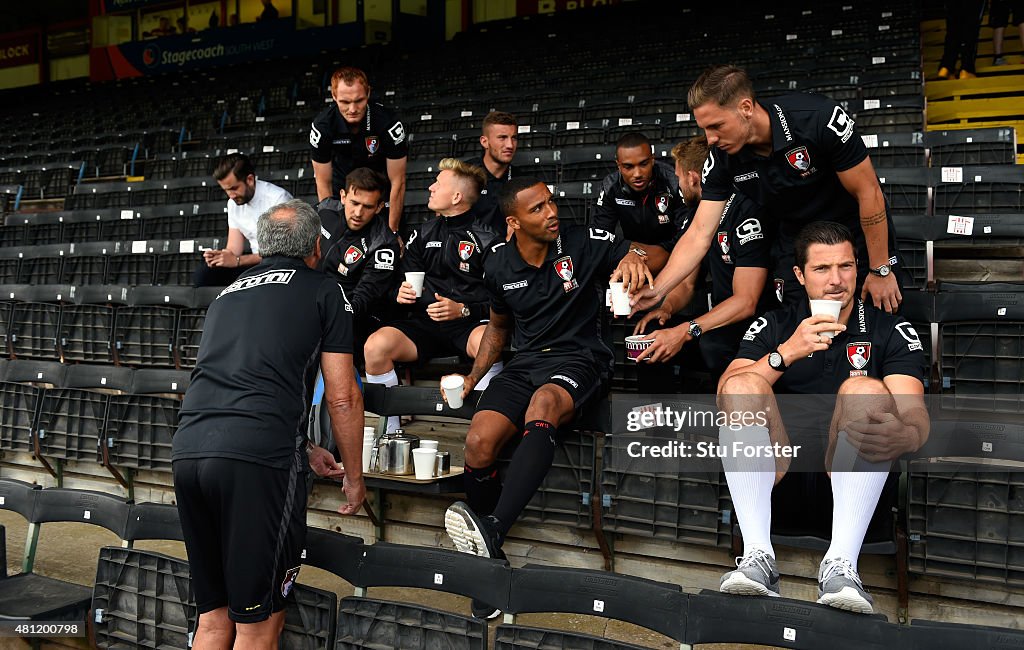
433	339
244	526
510	392
999	14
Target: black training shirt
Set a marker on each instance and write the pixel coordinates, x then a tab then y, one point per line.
557	307
380	137
813	138
486	206
451	252
364	262
875	344
651	217
743	239
251	389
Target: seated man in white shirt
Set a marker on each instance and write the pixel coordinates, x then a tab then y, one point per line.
248	198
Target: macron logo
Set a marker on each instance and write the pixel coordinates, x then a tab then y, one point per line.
270	277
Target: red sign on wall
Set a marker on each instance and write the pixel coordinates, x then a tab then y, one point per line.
19	49
526	7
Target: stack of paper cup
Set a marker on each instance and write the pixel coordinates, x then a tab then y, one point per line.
828	308
428	444
620	299
415	278
452	386
368	440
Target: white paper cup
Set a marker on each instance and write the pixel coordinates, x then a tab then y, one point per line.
827	308
424	460
415	278
428	444
369	431
452	386
620	299
367	453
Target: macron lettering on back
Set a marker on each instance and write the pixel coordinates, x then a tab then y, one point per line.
270	277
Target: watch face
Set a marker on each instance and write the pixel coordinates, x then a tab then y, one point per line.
775	360
883	270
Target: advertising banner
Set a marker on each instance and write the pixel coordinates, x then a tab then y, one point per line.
216	47
528	7
116	6
19	49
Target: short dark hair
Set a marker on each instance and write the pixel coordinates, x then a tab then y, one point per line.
721	84
233	163
829	233
368	180
498	117
507	198
632	139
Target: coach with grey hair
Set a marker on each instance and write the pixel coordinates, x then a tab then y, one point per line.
240	453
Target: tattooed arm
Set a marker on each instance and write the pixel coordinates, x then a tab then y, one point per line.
861	182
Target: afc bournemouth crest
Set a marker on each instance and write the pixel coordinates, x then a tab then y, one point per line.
723	242
858	354
799	159
372	144
563	268
353	255
466	249
780	286
662	203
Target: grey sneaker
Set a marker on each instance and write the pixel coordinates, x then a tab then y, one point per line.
999	60
839	586
755	575
472	533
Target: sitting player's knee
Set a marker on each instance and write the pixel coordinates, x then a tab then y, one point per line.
376	347
480	450
549	403
863	386
745	383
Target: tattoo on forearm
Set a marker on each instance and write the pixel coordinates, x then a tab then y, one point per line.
873	220
491	344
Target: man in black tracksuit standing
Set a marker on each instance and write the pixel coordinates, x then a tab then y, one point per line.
354	132
240	452
799	158
360	251
449	316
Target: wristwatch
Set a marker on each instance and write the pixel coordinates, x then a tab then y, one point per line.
465	311
775	361
695	329
881	271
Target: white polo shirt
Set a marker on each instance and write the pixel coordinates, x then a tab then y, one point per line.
244	217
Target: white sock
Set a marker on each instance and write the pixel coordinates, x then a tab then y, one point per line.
750	484
485	381
854	496
389	379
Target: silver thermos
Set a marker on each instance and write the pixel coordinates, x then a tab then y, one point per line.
393	453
